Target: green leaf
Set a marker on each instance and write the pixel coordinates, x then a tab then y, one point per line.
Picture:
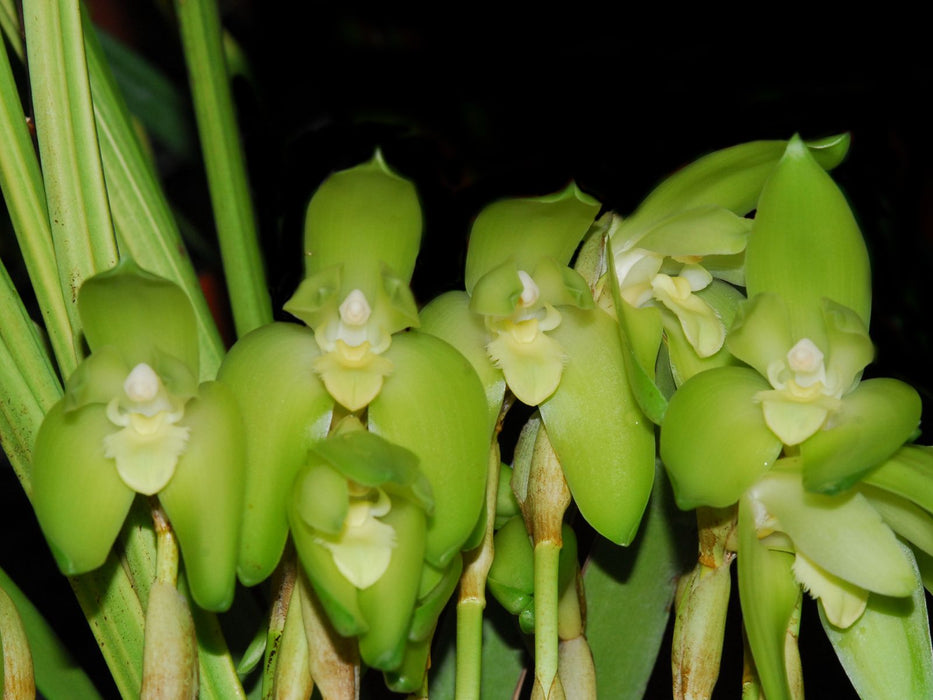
887	652
528	230
714	440
603	441
636	583
56	673
275	361
872	423
433	404
806	244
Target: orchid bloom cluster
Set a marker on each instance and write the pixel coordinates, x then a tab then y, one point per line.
135	421
788	431
372	454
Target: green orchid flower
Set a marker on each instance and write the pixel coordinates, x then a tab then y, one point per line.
134	420
418	393
527	322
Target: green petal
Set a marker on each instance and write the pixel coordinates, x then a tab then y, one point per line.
97	379
138	312
850	348
387	605
761	333
317	298
273	361
322	498
640	336
79	498
433	404
714	440
363	218
768	594
704	230
528	229
603	441
497	292
872	423
887	652
146	461
449	318
908	473
805	243
204	499
562	286
395	308
700	324
353	387
842	534
371	460
792	421
842	602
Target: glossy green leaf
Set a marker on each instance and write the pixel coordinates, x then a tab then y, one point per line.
528	230
433	404
204	499
768	594
636	583
604	442
80	500
388	604
363	218
714	440
842	534
806	244
273	361
449	318
887	652
871	425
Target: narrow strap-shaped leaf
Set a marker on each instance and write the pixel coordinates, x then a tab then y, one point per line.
24	195
226	168
145	227
79	213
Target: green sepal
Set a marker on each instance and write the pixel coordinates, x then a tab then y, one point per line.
511	577
137	312
449	318
387	605
806	244
640	339
731	178
79	498
363	217
338	596
274	360
843	534
528	229
433	404
907	473
204	498
603	441
768	594
873	422
371	460
724	299
322	498
431	603
703	230
409	676
714	440
887	651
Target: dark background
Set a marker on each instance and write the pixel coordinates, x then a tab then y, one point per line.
487	102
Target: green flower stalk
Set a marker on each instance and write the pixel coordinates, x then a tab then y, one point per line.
134	420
